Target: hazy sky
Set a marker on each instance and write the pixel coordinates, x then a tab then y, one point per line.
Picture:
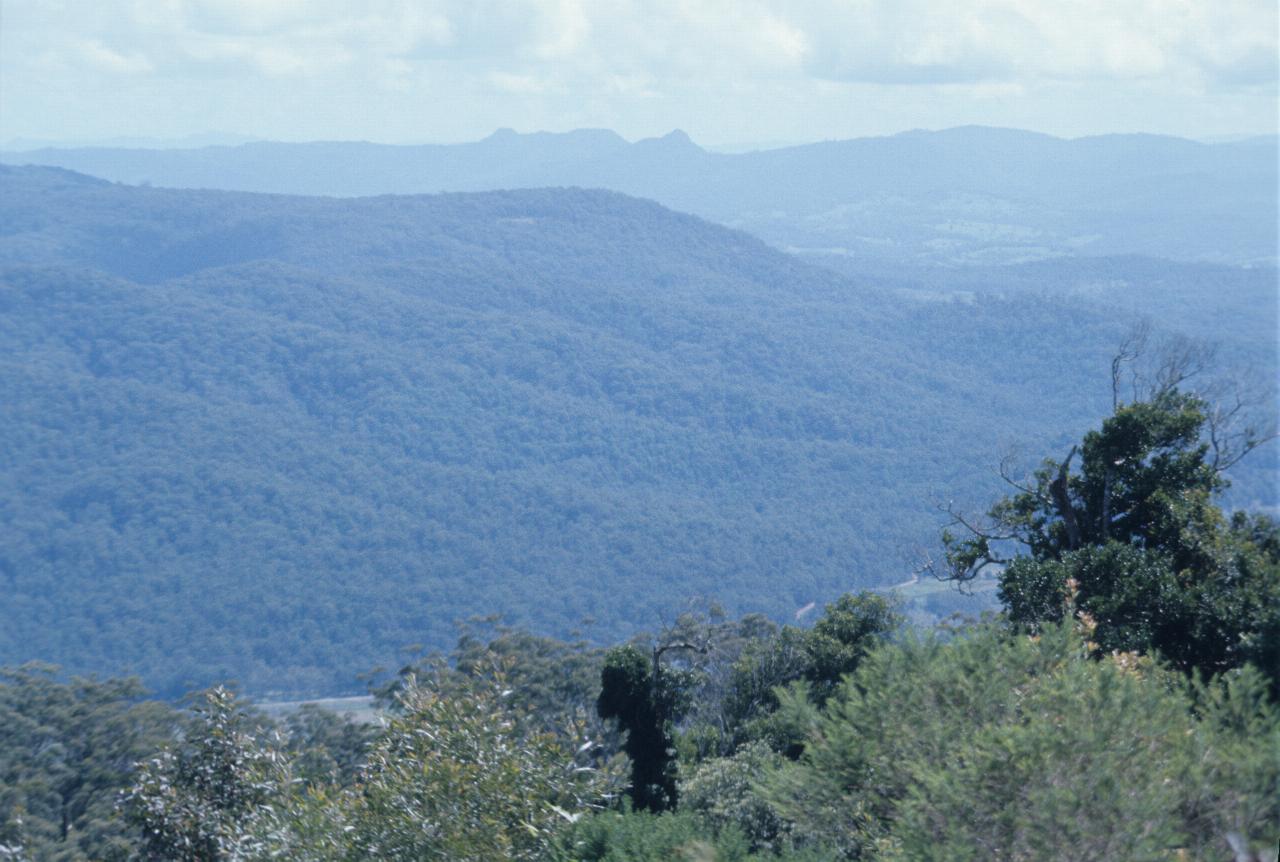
726	72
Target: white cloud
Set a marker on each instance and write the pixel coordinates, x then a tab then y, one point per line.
916	41
642	64
248	16
103	59
565	29
877	41
518	83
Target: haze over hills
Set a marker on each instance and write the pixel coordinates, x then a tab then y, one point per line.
1237	307
185	142
278	438
968	195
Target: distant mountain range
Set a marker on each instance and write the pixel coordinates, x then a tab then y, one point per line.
973	195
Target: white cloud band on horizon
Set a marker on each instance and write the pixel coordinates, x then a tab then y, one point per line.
636	65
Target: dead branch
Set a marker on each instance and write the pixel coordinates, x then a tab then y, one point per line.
1006	474
1132	347
958	518
1062	501
1180	359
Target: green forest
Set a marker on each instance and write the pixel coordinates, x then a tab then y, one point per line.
1123	704
278	440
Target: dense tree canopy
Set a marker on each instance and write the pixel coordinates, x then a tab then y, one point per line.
940	746
278	439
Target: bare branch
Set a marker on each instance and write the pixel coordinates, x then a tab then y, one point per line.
958	518
1132	347
941	570
926	564
1230	444
1180	358
1006	473
1241	417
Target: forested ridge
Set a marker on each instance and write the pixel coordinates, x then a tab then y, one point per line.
278	439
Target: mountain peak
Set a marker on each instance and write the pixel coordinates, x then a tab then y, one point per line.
672	140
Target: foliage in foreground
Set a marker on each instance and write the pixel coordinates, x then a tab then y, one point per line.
990	744
66	750
1014	747
199	800
457	777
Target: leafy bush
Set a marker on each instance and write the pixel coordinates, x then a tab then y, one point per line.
724	793
460	778
1015	747
198	801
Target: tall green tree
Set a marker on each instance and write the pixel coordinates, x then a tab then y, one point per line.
646	698
1130	535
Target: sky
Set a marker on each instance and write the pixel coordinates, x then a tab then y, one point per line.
728	72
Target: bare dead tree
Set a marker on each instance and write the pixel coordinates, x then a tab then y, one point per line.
1155	366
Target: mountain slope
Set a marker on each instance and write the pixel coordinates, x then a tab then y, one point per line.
277	439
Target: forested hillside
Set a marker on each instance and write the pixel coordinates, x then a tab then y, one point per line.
277	439
1236	308
972	195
